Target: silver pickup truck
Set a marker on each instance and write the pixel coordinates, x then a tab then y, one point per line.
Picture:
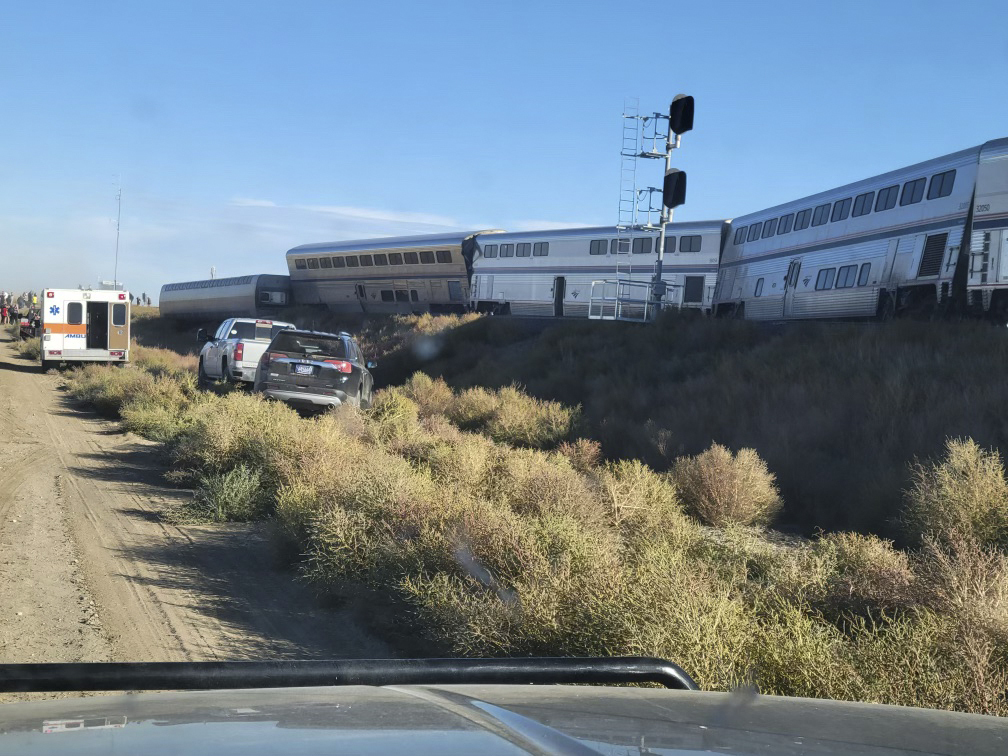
233	352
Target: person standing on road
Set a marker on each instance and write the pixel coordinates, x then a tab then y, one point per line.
3	312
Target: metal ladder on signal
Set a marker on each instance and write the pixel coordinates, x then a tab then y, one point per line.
627	219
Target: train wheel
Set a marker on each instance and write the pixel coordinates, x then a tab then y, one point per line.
887	308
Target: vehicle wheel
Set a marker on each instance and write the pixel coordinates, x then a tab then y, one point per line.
203	380
46	364
224	372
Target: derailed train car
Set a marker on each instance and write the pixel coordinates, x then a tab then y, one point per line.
552	273
927	238
262	295
426	273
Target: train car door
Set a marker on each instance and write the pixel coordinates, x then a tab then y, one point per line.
559	289
361	296
791	285
118	335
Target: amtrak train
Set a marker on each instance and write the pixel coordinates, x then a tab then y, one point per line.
928	238
237	297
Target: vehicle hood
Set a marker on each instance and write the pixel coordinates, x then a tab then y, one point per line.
485	720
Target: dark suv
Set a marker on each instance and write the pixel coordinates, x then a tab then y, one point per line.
313	370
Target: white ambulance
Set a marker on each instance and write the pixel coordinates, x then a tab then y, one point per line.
84	326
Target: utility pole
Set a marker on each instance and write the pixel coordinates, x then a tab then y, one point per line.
115	270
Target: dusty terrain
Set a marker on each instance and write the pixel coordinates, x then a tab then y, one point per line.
90	572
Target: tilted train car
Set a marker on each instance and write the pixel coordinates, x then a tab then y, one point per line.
551	272
389	275
987	279
238	297
894	243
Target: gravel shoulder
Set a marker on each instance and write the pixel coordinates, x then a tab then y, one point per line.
90	572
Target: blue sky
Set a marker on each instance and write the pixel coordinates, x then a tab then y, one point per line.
241	129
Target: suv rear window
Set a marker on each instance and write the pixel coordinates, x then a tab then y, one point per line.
308	345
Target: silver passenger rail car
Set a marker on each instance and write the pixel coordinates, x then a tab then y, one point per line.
891	243
987	279
390	275
262	295
550	273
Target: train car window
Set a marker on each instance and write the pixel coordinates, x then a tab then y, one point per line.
300	264
862	204
669	244
690	243
413	295
754	231
444	256
619	246
490	250
862	278
351	261
785	223
941	185
642	245
886	198
366	261
846	276
821	214
427	257
401	296
825	279
395	258
381	259
802	219
325	262
524	250
541	249
338	262
387	295
597	246
507	250
312	263
411	258
740	233
759	287
769	228
841	210
913	192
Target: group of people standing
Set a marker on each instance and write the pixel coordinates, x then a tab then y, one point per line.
11	306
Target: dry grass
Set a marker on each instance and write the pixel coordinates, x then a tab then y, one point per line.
501	548
29	349
721	488
963	494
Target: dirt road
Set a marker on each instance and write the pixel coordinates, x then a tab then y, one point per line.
89	572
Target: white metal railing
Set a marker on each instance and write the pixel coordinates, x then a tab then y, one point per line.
626	299
622	300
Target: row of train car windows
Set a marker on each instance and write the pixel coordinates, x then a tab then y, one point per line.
399	295
539	249
426	257
237	281
829	278
913	192
643	245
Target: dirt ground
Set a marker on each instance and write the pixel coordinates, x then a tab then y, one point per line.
90	572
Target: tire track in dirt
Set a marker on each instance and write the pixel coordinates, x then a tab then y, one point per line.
82	545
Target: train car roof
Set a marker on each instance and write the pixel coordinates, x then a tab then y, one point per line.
865	184
572	233
390	242
209	283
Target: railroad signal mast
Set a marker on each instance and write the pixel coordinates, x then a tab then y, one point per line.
663	128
